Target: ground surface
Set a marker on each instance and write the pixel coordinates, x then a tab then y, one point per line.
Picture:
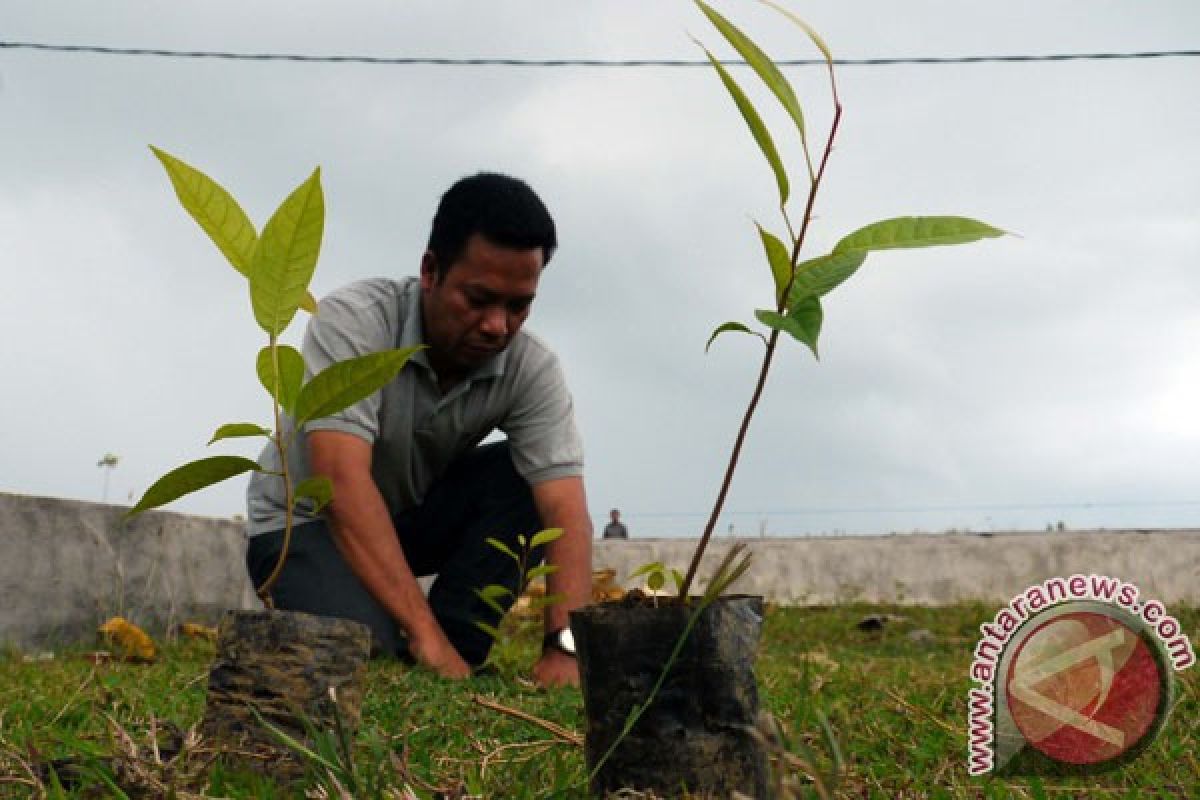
896	708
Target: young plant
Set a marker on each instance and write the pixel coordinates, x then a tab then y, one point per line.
493	593
732	567
656	578
278	266
795	308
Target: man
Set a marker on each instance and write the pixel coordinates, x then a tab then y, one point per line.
615	529
414	493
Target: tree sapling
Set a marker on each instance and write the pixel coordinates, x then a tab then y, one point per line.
667	738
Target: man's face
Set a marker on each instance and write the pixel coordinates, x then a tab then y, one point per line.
479	304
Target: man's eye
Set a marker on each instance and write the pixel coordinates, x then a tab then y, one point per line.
518	306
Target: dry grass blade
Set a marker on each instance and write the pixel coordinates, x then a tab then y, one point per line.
923	712
790	771
400	767
562	733
536	749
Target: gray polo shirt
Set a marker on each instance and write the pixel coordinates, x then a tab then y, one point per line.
415	430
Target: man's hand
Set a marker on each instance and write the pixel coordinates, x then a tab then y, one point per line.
556	668
435	652
366	538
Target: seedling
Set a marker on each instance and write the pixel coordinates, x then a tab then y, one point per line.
492	594
799	285
795	309
278	265
656	578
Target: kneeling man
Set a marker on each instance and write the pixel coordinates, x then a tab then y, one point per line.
415	491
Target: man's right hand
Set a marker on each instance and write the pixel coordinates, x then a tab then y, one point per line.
366	538
435	652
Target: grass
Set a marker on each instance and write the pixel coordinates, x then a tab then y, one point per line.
896	708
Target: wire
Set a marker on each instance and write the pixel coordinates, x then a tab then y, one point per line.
577	62
928	509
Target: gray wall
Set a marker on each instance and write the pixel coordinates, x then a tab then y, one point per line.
935	569
66	566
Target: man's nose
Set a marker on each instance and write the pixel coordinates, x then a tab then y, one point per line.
495	322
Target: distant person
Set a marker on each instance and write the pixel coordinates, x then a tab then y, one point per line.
615	529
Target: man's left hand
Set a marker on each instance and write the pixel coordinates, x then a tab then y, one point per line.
556	668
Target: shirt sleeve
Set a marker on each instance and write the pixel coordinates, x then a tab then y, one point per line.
543	439
343	329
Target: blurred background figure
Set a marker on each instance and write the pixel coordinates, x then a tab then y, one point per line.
615	529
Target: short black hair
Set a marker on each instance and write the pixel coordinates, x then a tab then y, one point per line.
500	207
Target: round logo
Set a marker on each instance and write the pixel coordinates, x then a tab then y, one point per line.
1085	687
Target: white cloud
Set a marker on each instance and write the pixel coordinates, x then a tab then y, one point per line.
1055	368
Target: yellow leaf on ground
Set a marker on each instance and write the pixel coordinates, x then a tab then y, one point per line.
194	630
128	639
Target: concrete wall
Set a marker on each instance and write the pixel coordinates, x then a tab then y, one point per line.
66	566
935	569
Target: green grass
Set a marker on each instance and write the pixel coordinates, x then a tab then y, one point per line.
896	708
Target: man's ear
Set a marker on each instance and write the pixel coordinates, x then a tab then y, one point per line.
428	270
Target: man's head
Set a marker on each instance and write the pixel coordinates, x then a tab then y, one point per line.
614	515
503	209
491	238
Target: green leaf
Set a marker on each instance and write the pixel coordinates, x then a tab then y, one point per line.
290	377
346	382
494	605
286	256
677	579
490	630
731	326
803	322
192	477
819	276
538	603
309	303
503	548
318	489
760	62
755	123
655	581
916	232
545	537
653	566
808	29
779	258
494	591
489	595
234	430
726	573
540	571
214	209
521	540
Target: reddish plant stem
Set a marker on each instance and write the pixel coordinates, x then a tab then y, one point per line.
768	357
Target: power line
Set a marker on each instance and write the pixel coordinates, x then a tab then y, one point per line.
1037	506
578	62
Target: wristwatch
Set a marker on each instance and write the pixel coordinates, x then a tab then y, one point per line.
560	640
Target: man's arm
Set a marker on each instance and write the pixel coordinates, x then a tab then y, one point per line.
364	534
561	503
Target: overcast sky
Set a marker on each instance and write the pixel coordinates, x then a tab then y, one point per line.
1053	375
